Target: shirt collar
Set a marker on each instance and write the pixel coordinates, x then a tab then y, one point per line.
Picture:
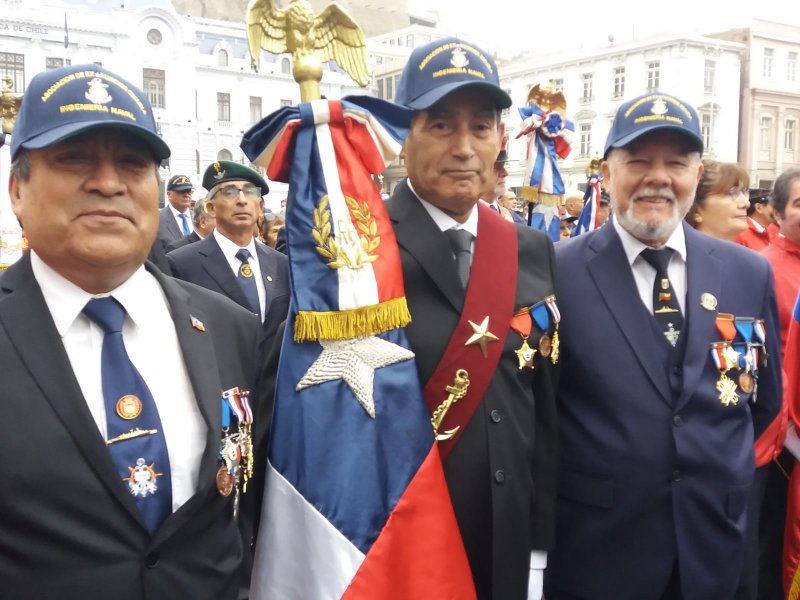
633	247
444	221
175	211
66	300
229	248
756	225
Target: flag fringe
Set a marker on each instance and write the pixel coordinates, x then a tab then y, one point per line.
531	194
794	590
355	322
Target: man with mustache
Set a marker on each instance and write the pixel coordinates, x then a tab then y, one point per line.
665	385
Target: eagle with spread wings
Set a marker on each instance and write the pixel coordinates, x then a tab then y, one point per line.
9	105
330	35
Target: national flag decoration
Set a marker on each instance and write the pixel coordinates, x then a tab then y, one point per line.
587	221
356	505
791	398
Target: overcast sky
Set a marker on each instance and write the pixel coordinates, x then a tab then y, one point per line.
515	25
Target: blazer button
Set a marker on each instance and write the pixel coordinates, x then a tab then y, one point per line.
499	476
677	420
676	476
495	416
151	560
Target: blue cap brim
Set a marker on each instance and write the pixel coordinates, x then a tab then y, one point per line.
431	97
624	141
64	132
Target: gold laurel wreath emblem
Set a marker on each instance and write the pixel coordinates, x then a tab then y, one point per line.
346	255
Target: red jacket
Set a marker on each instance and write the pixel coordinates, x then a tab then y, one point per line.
755	236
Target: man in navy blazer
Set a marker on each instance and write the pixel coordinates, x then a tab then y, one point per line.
665	381
261	282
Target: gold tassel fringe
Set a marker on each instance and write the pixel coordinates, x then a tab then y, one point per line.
356	322
531	194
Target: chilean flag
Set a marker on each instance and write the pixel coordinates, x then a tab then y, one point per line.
587	221
356	505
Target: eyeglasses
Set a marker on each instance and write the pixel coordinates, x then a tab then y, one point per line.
735	192
231	192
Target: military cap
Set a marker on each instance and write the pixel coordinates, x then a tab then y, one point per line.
443	66
227	170
66	102
652	112
179	183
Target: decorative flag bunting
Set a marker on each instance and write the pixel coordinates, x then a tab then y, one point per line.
355	505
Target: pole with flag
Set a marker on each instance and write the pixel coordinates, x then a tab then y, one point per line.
66	32
355	504
587	221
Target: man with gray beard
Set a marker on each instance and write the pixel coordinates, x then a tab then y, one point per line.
667	400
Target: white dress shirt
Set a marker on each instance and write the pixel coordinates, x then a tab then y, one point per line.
229	249
152	345
644	274
176	214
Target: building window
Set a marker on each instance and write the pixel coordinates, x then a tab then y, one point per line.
224	154
653	75
154	83
706	127
197	161
52	62
558	85
380	89
222	58
586	139
587	86
286	66
769	53
766	134
708	75
286	103
619	82
788	135
223	107
410	41
255	109
389	88
13	66
791	66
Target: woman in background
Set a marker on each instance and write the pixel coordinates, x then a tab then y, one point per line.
721	200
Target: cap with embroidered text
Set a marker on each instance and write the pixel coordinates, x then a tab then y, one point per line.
653	112
179	183
66	102
441	67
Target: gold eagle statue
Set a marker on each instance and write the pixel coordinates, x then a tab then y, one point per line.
311	39
548	99
9	105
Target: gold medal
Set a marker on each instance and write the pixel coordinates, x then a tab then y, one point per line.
727	390
224	481
746	382
525	355
545	345
555	352
129	407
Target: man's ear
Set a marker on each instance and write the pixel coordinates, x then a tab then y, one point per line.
15	194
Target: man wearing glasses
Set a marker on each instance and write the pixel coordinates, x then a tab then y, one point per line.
230	261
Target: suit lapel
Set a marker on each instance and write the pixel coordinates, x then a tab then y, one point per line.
704	275
612	275
30	327
218	268
418	235
172	224
269	275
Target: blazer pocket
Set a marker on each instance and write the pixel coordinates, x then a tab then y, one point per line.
737	501
594	490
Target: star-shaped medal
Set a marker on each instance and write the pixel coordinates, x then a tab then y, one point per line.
731	355
481	336
525	355
727	390
354	362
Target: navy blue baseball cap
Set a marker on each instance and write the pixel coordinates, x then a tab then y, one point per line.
65	102
653	112
441	67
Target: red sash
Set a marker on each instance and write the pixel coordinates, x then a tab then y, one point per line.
490	292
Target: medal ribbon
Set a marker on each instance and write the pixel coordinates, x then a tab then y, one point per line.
521	322
233	398
551	304
540	314
726	327
718	356
758	328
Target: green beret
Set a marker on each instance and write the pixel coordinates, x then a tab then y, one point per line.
227	170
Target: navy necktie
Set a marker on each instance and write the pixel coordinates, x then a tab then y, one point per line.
135	437
185	224
248	281
666	308
461	242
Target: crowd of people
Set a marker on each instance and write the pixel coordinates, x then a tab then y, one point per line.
624	441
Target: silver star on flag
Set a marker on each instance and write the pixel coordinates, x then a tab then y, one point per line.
354	361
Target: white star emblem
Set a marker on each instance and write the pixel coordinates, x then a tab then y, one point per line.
354	362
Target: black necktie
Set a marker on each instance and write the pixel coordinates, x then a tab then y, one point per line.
666	308
248	281
135	437
461	242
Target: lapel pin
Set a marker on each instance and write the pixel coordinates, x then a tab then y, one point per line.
708	301
269	277
197	323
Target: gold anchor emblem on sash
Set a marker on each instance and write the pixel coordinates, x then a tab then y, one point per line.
455	392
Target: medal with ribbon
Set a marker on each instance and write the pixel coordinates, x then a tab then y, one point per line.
236	449
725	357
521	323
761	335
747	377
550	301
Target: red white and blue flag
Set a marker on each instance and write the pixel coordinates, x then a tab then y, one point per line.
355	505
587	221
